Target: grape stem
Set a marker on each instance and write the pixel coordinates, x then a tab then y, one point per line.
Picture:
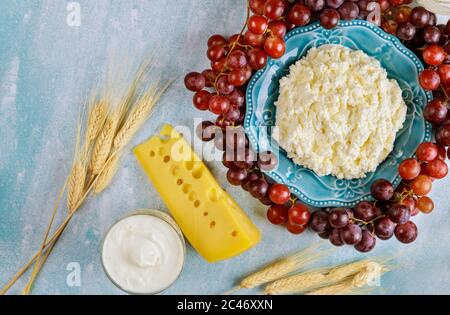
233	46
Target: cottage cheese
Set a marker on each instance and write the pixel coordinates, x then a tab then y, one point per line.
338	113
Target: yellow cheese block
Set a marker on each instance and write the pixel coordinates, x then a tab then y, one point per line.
210	219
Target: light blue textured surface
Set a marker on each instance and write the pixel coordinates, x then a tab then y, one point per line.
263	91
47	68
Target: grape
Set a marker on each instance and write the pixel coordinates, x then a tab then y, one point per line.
194	81
267	161
245	160
252	176
435	112
425	204
237	77
237	97
258	188
235	139
437	169
299	214
299	15
429	79
257	58
351	234
217	40
277	214
427	152
431	35
419	16
349	11
206	131
443	135
334	4
274	47
257	6
278	28
266	201
409	169
329	18
219	141
367	243
362	4
384	228
365	211
432	21
406	31
210	77
201	100
406	233
232	115
215	53
315	5
236	38
410	202
235	176
335	238
223	123
279	194
295	228
384	5
399	214
218	66
274	9
223	86
219	104
247	71
422	185
390	26
403	14
338	218
253	39
444	74
382	190
326	234
319	221
434	55
237	59
258	24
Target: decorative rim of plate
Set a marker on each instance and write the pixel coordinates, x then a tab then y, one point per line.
249	112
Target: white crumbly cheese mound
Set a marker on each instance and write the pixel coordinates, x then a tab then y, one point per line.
338	113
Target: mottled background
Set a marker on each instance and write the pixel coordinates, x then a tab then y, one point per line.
46	70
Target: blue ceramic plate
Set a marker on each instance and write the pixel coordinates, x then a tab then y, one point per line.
401	65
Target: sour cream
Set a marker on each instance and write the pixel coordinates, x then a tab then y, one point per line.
144	253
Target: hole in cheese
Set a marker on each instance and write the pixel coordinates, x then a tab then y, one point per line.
205	214
213	195
234	233
166	159
197	173
180	182
152	153
189	165
196	203
175	170
212	224
192	196
186	188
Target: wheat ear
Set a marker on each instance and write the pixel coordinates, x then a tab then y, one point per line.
103	144
105	177
279	268
312	280
96	119
75	185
